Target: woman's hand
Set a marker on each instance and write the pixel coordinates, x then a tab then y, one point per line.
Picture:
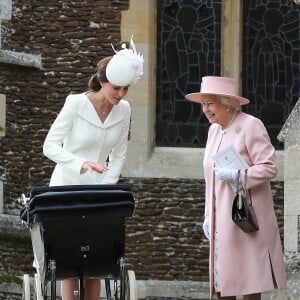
205	227
93	166
226	174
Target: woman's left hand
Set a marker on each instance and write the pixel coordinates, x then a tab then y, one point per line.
205	227
93	166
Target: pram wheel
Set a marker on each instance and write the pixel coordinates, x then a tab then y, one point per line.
38	287
26	287
128	289
131	284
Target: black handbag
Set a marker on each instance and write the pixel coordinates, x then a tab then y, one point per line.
243	214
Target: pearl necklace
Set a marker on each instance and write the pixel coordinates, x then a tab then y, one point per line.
231	119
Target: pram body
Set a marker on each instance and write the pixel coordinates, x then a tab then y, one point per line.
78	231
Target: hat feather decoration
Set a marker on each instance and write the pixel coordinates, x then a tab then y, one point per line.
126	66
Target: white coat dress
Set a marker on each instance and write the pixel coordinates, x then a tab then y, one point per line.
78	135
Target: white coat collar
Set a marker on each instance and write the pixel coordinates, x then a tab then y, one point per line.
88	112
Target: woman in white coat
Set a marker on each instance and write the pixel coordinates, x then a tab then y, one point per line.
88	139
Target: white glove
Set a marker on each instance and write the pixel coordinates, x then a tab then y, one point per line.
205	227
226	174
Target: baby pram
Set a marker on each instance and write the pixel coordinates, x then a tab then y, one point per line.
78	231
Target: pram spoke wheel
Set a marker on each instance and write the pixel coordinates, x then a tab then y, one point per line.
127	289
132	285
38	287
26	287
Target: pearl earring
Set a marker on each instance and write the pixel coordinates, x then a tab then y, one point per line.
227	109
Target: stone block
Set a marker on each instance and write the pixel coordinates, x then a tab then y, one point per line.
2	114
290	233
5	9
21	59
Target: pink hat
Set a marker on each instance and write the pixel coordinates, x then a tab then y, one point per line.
219	86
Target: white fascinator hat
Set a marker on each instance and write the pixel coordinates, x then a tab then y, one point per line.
126	66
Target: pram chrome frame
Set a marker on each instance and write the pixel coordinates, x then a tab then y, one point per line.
78	232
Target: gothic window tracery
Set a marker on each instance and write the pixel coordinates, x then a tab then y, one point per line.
188	48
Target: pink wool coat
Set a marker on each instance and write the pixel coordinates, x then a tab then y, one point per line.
246	261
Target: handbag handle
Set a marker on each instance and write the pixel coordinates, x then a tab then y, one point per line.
245	187
237	181
245	179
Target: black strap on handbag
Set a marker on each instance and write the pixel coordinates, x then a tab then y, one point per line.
237	181
242	210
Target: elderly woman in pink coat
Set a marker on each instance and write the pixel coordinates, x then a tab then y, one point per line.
241	263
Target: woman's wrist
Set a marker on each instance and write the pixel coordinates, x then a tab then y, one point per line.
84	168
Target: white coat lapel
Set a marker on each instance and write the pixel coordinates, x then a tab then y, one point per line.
116	115
88	112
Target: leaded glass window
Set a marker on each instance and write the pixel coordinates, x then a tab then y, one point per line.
188	47
271	61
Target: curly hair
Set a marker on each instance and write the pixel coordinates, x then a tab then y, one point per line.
229	101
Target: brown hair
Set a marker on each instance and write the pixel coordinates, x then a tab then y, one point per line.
100	75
